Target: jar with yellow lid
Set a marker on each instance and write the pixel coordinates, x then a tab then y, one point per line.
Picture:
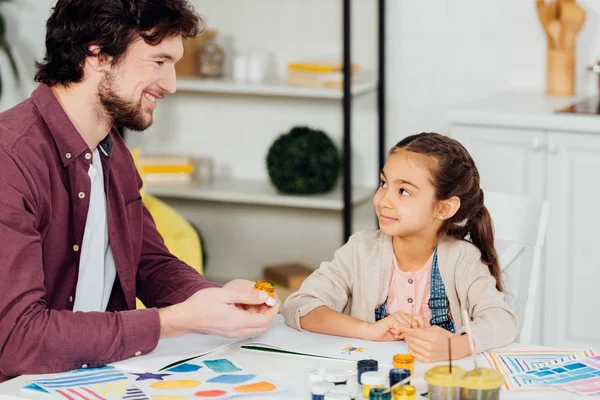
444	382
405	361
405	392
481	384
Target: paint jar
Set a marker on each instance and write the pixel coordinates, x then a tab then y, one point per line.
269	288
344	389
336	376
406	361
337	396
378	394
481	384
444	382
371	380
398	374
405	392
319	389
316	375
365	366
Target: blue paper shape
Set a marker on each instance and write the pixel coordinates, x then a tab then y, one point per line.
231	378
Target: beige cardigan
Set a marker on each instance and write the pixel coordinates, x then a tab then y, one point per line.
356	282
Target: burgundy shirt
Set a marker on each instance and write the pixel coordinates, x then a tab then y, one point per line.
44	199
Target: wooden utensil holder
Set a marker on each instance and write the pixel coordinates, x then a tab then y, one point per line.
560	72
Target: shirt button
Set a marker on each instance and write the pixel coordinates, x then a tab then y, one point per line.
410	300
84	366
410	281
68	155
70	299
75	248
138	353
88	156
81	195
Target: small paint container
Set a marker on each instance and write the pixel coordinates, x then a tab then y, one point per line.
481	384
336	376
269	288
405	392
318	390
444	383
345	389
337	396
316	375
365	366
378	394
372	380
405	361
398	374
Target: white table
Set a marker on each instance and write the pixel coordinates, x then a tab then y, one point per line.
291	373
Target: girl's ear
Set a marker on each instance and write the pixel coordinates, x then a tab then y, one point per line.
447	208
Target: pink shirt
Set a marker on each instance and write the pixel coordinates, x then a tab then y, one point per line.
408	289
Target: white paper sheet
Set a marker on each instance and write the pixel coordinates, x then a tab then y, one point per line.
281	337
173	350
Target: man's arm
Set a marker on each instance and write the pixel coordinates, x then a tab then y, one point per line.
34	339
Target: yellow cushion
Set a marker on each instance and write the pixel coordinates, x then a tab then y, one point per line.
179	235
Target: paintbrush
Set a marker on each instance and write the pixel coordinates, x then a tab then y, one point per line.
471	343
412	315
450	355
402	382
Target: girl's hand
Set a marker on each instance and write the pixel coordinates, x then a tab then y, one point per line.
430	344
405	320
382	330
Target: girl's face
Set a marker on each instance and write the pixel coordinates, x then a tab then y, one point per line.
405	201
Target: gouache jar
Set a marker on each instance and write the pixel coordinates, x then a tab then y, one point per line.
378	394
372	380
481	384
398	374
319	389
405	392
444	382
365	366
406	361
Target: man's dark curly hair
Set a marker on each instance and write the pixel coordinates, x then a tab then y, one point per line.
112	25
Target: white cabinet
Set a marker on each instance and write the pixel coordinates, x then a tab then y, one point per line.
564	168
509	160
573	241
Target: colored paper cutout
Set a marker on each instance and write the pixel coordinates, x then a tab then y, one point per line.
175	385
258	387
168	397
231	378
133	393
111	389
221	365
351	349
510	363
210	393
185	368
150	375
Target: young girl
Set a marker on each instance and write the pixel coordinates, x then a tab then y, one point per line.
432	257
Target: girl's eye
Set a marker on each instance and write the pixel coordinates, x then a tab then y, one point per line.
160	63
382	184
403	192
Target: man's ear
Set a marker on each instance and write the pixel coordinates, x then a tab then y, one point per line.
97	61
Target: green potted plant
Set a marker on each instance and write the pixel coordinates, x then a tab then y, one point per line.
5	45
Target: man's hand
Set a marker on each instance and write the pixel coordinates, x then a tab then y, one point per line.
382	330
236	310
431	344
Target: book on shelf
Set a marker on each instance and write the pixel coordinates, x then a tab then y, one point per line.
319	66
177	177
165	168
323	75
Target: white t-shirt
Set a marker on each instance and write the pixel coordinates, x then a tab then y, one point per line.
97	270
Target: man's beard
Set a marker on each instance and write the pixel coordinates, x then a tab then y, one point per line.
121	112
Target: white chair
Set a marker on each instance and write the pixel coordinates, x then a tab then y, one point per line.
519	227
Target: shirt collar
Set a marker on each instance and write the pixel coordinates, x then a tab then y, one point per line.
68	140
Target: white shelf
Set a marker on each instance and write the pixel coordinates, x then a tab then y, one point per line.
275	87
256	192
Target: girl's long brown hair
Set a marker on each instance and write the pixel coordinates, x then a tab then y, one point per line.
454	174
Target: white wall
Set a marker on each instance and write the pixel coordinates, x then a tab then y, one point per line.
441	53
447	52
